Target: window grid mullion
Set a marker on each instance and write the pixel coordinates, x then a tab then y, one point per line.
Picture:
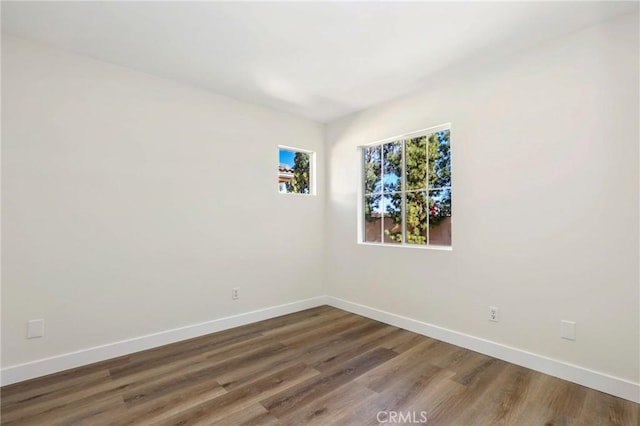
364	196
382	201
426	155
403	203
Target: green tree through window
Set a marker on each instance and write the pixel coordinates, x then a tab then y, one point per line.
407	190
300	182
294	171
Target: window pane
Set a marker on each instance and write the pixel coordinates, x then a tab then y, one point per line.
294	172
407	191
439	160
416	161
393	218
417	212
440	217
392	153
372	169
372	218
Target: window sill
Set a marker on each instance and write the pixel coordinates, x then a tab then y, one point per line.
297	193
409	246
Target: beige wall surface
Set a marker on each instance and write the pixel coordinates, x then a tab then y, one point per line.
132	204
544	154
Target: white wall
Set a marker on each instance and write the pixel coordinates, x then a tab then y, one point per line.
132	204
545	187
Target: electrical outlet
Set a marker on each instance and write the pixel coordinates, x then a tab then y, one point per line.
235	293
494	314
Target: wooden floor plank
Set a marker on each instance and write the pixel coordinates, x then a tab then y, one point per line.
355	346
327	409
160	407
300	326
81	411
14	399
325	332
601	409
253	415
307	391
404	340
242	397
320	366
499	403
408	396
559	395
246	373
395	370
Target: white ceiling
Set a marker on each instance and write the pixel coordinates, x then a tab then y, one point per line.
321	60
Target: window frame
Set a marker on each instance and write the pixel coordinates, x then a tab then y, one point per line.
312	170
360	235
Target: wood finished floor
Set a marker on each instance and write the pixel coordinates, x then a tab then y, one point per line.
321	366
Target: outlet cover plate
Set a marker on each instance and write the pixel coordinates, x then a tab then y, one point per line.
568	330
35	328
494	314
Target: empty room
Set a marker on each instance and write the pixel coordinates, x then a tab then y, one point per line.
329	213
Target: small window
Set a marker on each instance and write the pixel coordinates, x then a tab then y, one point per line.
295	171
406	190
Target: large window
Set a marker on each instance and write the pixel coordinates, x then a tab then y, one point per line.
406	196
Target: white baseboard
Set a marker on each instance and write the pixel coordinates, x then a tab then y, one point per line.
42	367
573	373
592	379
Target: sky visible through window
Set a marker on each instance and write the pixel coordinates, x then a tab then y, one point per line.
286	157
